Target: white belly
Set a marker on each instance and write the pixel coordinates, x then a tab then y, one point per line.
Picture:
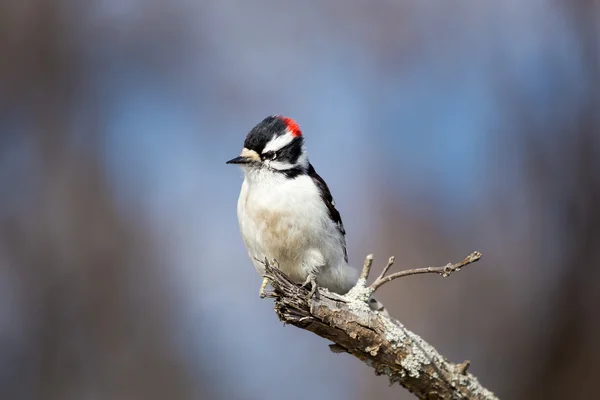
286	220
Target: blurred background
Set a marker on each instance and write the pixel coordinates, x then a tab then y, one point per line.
441	128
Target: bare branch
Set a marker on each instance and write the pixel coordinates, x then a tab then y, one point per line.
382	343
444	271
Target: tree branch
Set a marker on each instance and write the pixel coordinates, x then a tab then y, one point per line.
382	343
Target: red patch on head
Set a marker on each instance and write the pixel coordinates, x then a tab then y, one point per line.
292	126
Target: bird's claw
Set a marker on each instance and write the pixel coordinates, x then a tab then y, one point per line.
310	280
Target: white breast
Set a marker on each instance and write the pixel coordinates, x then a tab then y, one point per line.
285	219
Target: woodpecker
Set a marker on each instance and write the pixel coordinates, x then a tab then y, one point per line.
287	213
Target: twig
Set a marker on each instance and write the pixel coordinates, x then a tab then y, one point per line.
386	268
366	268
444	271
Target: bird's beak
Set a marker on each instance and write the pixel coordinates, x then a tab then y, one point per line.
246	157
239	160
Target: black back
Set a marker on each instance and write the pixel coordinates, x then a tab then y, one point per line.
328	200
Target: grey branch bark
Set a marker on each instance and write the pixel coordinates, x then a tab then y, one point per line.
379	341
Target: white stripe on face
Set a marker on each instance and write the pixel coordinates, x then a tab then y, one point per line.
279	142
279	165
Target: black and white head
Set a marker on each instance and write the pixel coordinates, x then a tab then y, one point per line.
275	144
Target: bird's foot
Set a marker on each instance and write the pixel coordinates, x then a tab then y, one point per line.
310	280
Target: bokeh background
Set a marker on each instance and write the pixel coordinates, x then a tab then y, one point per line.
441	128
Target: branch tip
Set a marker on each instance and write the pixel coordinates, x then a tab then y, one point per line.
462	368
386	268
367	267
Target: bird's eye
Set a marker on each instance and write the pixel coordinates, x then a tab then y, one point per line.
270	155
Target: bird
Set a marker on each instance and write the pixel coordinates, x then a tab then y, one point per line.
286	211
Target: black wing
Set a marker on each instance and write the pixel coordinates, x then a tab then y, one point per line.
328	200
